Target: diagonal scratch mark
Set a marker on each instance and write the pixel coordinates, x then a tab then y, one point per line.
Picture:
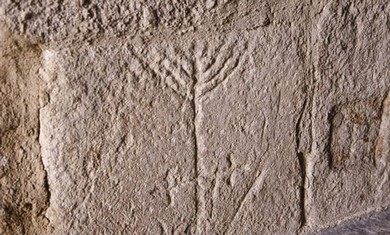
258	180
255	184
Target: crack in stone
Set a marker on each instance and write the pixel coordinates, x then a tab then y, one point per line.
302	166
45	179
46	186
328	148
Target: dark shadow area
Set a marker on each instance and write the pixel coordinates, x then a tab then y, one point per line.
378	224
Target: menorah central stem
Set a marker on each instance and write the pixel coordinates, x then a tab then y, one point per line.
199	202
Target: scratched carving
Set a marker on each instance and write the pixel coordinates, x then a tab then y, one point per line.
194	73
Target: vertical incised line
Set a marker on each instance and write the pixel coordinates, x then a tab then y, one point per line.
196	149
196	163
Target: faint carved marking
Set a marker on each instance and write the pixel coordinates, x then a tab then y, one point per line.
357	131
256	182
255	186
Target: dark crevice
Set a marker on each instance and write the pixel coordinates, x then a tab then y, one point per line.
302	162
85	3
302	190
328	147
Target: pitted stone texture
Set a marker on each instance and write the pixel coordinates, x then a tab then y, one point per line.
350	160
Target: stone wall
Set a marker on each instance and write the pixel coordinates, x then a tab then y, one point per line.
192	117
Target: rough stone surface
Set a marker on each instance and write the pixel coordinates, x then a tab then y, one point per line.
193	117
23	185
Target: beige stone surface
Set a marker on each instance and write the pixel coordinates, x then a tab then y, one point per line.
23	185
192	117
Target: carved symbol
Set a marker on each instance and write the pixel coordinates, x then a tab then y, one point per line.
194	74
